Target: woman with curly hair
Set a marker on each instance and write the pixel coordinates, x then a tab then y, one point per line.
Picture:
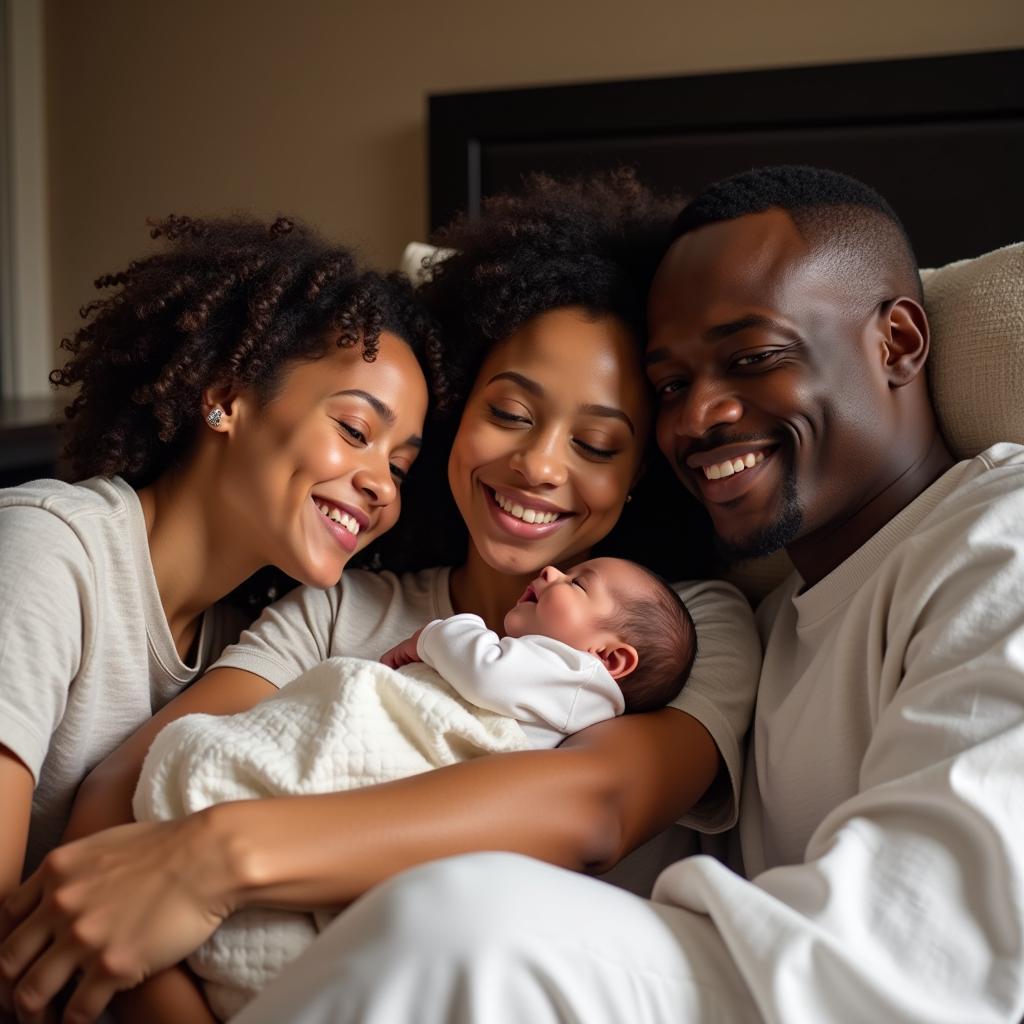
543	298
232	413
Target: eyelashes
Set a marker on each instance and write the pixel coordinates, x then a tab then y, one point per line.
400	475
356	435
597	453
590	450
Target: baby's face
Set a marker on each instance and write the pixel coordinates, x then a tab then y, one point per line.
575	606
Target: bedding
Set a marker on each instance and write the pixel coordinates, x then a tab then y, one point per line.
345	723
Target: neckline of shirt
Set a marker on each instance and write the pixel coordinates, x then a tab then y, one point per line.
158	630
819	601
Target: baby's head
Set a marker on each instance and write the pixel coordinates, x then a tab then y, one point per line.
623	614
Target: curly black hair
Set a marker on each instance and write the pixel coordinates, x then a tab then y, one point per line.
589	242
231	300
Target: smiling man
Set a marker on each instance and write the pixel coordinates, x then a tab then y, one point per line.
787	344
882	822
877	873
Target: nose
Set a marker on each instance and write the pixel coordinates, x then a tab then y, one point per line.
548	575
707	405
375	481
540	461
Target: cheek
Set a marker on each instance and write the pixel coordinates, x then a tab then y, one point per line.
388	518
474	446
605	489
312	447
663	433
326	451
456	474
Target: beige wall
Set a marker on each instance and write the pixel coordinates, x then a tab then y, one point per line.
318	108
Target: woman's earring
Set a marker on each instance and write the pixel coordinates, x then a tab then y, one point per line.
214	416
629	498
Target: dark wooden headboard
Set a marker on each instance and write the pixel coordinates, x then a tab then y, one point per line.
942	138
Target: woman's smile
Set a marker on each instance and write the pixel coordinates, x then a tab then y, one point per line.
323	460
524	515
343	522
551	440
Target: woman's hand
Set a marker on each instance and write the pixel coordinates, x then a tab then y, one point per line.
112	908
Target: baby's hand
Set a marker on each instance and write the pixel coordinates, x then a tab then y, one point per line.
403	653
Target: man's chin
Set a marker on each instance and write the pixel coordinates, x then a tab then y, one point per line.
761	542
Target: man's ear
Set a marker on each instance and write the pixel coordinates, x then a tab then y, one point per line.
618	658
904	327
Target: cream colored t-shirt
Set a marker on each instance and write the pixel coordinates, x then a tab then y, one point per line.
368	613
882	821
86	655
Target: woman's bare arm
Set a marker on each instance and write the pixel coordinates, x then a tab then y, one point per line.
105	799
146	895
16	785
583	806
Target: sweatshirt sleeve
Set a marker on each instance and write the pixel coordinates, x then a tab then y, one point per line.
533	679
720	691
45	633
290	637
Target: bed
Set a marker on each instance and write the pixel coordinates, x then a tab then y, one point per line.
941	137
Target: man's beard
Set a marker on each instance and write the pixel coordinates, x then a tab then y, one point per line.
775	535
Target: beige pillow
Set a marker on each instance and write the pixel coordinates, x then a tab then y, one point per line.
976	366
975	369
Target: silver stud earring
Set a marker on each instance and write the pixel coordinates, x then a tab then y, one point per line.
214	416
629	498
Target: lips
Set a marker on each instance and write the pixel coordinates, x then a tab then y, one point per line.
503	507
724	475
343	522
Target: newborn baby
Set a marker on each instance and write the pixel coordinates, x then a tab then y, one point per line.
582	646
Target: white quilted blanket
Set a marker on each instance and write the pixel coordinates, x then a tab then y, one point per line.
345	723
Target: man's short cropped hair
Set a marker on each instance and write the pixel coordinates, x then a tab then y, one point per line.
837	215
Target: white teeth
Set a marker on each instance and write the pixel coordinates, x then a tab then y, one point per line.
730	466
528	515
337	516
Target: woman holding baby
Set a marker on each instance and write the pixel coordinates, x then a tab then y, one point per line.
543	304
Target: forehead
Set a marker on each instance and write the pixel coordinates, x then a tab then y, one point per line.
577	358
754	261
394	372
617	574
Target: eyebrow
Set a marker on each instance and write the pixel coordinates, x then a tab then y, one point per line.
517	378
590	409
721	331
384	411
